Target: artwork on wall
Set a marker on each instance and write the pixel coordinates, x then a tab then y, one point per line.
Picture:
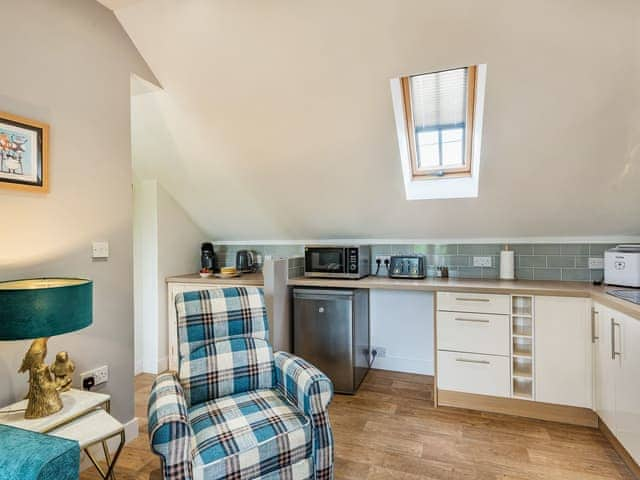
24	146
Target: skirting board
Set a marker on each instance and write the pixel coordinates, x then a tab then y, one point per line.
131	430
620	450
407	365
520	408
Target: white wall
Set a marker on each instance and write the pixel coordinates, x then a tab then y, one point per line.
402	323
166	243
145	274
287	114
71	68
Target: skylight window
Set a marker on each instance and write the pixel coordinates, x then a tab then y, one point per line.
439	123
439	116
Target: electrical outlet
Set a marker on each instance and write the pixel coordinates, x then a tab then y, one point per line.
100	375
382	258
481	261
596	263
381	352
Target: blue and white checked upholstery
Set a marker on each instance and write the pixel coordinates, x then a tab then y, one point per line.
235	410
247	434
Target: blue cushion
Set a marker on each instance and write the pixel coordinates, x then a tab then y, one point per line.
26	455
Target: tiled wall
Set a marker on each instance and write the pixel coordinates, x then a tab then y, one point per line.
539	261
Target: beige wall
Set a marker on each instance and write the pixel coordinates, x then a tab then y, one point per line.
68	63
278	123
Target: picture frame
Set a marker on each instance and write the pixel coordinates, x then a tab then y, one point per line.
24	154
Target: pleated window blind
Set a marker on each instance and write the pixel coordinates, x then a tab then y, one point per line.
439	114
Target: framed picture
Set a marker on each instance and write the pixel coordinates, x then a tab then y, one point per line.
24	152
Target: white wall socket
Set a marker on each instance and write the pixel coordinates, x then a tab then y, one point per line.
382	258
381	352
481	261
100	250
100	375
596	263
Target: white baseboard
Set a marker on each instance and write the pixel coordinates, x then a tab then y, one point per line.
131	430
406	365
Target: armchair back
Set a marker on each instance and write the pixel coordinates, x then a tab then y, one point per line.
223	343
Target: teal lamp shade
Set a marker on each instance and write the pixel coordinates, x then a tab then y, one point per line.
44	307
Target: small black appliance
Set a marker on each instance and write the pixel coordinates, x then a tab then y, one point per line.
245	261
208	257
407	266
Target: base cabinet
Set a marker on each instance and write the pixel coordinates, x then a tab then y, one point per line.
563	351
618	376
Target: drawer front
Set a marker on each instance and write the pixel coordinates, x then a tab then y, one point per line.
486	333
474	302
473	373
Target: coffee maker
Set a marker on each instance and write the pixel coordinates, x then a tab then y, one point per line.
208	257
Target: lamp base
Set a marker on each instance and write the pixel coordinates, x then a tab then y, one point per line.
43	396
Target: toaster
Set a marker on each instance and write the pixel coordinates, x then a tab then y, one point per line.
622	266
407	266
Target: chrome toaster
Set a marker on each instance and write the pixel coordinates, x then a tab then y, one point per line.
407	266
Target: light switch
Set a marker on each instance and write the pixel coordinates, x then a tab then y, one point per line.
100	250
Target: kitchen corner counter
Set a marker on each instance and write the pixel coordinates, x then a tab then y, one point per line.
246	279
518	287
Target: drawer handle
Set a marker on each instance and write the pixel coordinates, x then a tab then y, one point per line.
474	320
468	299
465	360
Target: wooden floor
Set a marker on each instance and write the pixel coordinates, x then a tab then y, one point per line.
390	431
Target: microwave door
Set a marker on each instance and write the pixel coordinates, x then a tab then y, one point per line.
326	260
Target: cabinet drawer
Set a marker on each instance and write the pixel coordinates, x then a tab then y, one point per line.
473	373
474	302
473	332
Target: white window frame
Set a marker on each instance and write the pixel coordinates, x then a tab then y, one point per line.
421	187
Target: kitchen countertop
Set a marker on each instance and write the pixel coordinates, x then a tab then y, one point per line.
246	279
524	287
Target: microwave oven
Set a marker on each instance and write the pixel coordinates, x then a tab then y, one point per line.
336	261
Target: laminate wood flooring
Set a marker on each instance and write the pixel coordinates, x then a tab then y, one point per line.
389	430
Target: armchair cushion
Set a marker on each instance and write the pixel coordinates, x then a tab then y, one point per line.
226	367
249	435
170	433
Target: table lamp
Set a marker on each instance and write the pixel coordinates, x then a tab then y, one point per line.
38	308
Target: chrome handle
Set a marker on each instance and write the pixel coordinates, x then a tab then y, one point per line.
463	299
474	320
614	324
465	360
594	337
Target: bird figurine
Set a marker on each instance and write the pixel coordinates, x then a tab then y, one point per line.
35	355
44	398
62	370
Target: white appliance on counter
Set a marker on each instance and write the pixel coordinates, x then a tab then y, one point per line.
622	266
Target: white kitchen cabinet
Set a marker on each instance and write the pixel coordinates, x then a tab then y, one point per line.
474	373
618	376
605	366
563	351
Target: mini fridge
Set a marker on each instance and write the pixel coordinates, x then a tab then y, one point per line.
331	331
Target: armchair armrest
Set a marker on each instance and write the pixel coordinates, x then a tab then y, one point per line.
170	432
302	383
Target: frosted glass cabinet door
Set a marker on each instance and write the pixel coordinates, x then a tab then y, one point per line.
627	341
606	368
563	351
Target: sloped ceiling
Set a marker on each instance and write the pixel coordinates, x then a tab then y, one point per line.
276	119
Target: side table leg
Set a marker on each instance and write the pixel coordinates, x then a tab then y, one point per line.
115	458
107	457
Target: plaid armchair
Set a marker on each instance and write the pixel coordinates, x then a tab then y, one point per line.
236	410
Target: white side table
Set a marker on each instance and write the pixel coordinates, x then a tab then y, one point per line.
84	417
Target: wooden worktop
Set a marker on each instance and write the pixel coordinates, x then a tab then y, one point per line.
246	279
522	287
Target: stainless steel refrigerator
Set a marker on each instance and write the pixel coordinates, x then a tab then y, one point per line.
331	330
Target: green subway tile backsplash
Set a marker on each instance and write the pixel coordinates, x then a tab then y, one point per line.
537	261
